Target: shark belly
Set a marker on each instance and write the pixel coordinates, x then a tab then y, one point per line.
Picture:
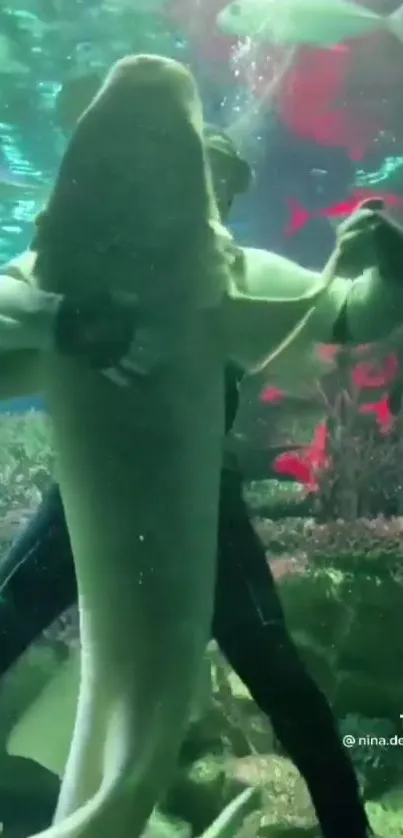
139	475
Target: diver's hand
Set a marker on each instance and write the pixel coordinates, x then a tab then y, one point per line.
98	329
124	372
146	352
108	334
369	238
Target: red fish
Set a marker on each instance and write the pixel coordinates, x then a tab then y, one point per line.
328	352
309	95
320	97
300	216
305	464
272	395
293	465
373	374
312	102
384	418
316	450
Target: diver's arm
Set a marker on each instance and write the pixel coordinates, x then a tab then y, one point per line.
27	316
372	311
99	329
374	305
26	329
271	296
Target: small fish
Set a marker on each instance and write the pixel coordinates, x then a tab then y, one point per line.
324	23
272	395
372	374
293	465
305	464
384	417
300	216
328	352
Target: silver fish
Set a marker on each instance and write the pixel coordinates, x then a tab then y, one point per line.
322	23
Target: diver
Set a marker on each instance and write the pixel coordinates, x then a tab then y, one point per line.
37	577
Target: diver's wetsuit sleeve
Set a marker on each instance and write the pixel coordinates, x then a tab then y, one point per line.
27	314
37	579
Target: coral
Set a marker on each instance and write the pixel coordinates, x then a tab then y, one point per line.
26	462
339	440
385	822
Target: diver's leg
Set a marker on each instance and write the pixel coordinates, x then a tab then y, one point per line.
37	580
250	629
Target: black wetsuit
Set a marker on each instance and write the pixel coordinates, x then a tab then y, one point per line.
38	583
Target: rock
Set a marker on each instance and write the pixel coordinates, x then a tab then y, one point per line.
198	793
285	795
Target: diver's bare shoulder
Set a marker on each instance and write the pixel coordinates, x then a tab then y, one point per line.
21	334
22	267
269	297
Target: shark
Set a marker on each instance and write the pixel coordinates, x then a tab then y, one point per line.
133	210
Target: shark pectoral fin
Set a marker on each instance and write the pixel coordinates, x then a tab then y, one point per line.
44	731
230	821
162	826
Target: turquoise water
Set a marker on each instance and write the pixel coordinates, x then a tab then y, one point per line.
332	123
